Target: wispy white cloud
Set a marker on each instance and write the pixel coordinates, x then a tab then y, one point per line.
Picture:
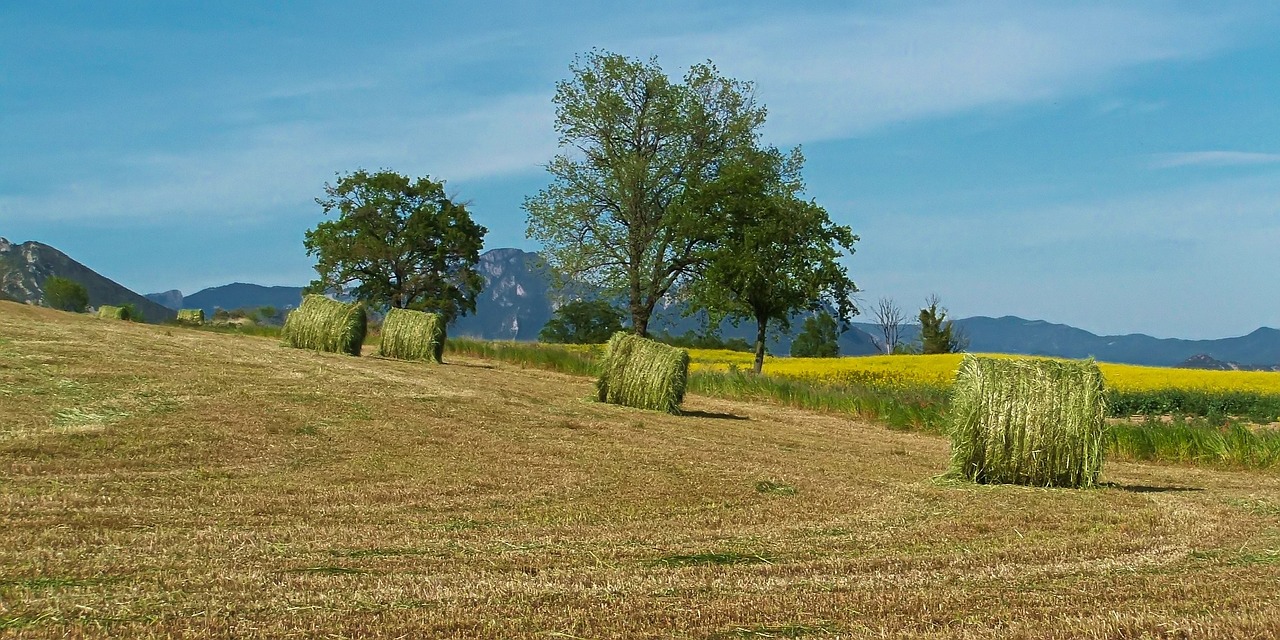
266	170
1213	159
847	73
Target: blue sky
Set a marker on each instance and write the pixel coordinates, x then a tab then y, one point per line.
1111	166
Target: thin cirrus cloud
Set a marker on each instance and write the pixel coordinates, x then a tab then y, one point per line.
823	75
267	169
1213	159
844	74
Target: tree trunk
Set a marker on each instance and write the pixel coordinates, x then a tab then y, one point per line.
761	325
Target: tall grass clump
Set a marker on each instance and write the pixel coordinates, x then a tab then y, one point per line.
642	373
323	324
1028	421
412	335
578	360
113	313
193	317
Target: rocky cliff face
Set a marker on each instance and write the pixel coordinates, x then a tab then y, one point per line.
25	267
514	304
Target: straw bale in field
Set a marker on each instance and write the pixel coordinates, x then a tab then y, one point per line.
643	373
324	324
113	313
412	335
191	316
1028	421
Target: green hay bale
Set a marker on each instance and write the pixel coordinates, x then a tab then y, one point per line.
191	316
323	324
1028	421
412	335
643	373
113	313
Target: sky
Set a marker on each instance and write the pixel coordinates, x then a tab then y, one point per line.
1113	166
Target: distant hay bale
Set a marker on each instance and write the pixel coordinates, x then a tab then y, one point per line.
1028	421
113	313
323	324
643	373
191	316
412	335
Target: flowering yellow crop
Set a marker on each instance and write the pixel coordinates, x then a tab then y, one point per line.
940	370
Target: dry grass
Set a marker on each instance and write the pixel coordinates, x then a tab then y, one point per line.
165	482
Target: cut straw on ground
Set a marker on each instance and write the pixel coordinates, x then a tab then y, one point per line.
323	324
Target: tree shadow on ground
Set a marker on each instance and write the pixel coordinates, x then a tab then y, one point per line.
712	415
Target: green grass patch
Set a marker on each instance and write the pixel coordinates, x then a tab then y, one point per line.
790	630
775	488
377	552
48	582
329	570
713	558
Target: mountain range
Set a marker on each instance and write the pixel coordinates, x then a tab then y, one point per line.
517	301
25	267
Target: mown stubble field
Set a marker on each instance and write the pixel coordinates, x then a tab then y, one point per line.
164	482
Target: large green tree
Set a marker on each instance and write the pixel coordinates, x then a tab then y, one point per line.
65	294
777	254
618	214
397	242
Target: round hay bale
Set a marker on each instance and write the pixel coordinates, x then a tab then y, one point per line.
1029	421
193	317
112	312
643	373
412	335
324	324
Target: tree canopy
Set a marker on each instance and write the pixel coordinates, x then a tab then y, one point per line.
582	322
818	339
620	212
65	294
937	333
397	242
777	254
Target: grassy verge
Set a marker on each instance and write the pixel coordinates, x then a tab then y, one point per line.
1200	433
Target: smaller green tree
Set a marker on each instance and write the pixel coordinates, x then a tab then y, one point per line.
133	313
937	333
582	322
65	294
397	242
818	339
777	254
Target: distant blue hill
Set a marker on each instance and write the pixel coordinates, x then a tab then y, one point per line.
1011	334
243	296
516	302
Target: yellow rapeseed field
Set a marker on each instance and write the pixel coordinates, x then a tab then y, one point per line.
941	369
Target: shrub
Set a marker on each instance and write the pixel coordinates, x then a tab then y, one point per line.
1028	421
643	373
323	324
412	335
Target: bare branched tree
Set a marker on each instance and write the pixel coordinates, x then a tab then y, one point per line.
890	318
